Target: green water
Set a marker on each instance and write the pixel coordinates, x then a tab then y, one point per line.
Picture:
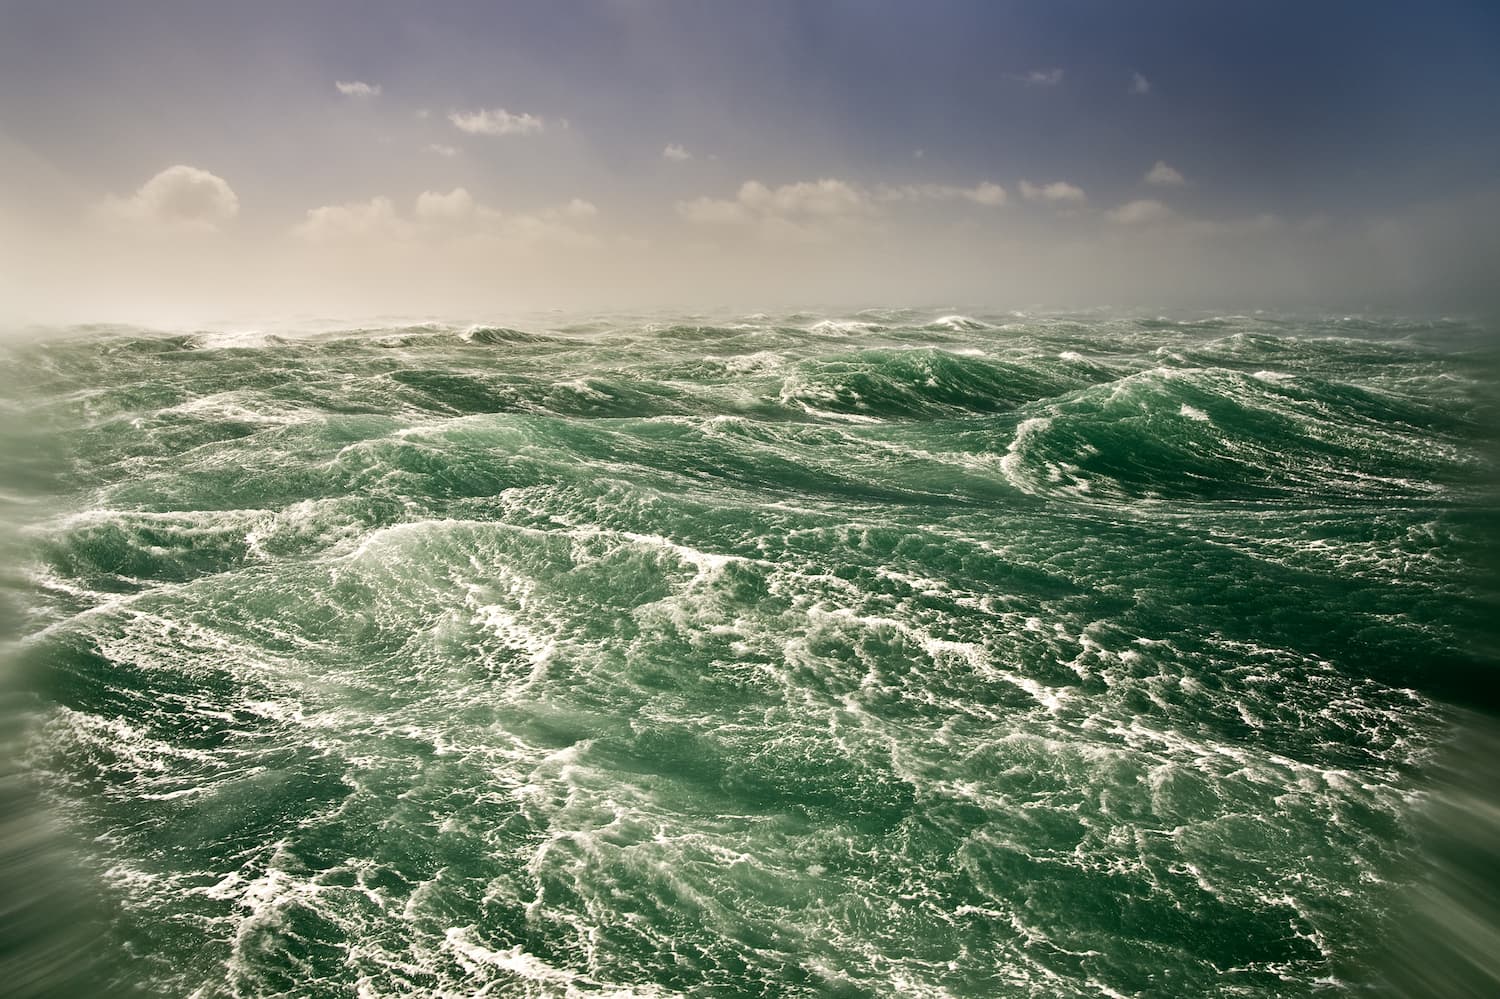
890	654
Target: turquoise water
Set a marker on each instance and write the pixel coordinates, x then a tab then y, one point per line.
875	654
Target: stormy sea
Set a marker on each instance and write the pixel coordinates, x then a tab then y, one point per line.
858	654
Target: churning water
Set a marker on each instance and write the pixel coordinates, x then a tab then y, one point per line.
880	654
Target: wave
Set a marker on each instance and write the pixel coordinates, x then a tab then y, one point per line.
920	382
957	323
836	327
501	335
1209	434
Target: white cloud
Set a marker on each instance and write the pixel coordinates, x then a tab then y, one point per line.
988	194
814	210
437	218
676	153
821	198
826	199
181	197
1139	212
1164	176
1139	84
1040	77
1057	192
806	211
456	204
358	88
445	151
495	121
356	220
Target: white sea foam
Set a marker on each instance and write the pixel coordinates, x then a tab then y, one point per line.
843	327
1011	464
958	322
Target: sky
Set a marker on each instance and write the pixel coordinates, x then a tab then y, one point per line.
193	161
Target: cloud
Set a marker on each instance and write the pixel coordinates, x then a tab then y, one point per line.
454	217
355	220
827	198
1164	176
1040	77
1140	212
806	211
1057	192
815	210
823	198
985	193
445	151
1139	85
495	121
456	204
181	197
358	88
578	209
676	153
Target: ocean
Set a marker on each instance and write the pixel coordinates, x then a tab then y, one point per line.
860	654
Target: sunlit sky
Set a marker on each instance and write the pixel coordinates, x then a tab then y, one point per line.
182	160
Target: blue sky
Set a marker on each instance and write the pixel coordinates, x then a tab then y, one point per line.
698	152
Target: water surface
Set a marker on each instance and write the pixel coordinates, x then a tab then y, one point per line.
873	654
